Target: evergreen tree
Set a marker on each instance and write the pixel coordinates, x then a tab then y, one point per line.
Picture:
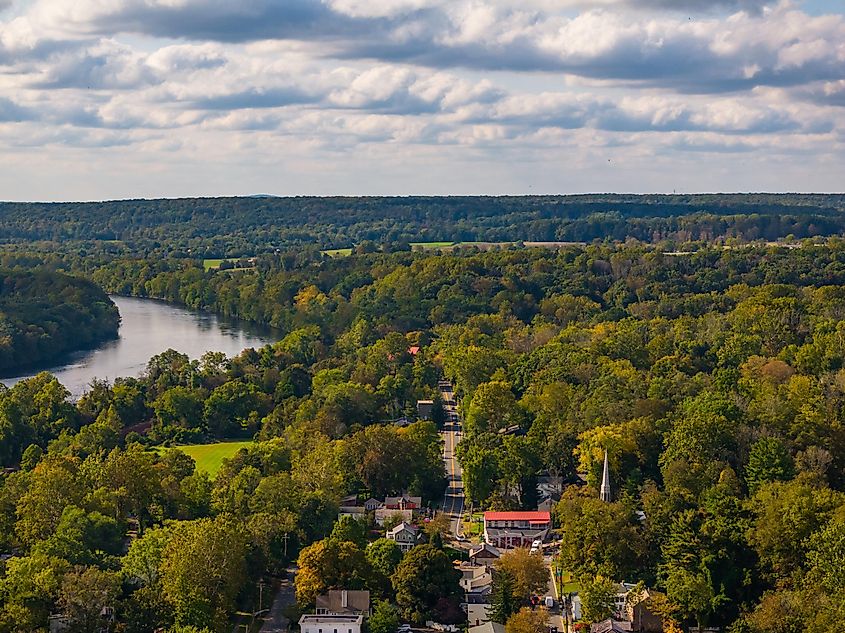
503	603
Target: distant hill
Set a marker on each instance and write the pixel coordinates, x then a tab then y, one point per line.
234	227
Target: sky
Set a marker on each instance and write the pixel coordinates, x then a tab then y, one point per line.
103	99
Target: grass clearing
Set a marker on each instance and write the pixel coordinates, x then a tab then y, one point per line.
431	245
209	457
338	252
212	264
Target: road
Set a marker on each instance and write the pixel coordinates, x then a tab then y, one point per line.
453	501
276	622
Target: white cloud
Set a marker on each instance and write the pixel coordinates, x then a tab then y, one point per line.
495	81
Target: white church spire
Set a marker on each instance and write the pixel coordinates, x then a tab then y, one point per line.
605	481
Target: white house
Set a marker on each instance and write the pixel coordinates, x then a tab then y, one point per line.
331	623
405	535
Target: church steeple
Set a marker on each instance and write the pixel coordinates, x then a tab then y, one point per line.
605	481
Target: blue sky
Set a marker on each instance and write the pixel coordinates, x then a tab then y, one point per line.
147	98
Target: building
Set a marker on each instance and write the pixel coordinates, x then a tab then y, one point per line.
487	627
356	512
474	579
403	502
405	535
383	514
331	623
425	409
371	505
484	554
506	530
344	602
611	626
477	613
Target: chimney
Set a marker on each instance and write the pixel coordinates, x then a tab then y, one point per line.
344	599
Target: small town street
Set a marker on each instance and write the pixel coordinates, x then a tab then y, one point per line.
276	621
453	501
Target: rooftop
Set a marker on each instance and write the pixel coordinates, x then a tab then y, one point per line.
327	619
538	517
404	526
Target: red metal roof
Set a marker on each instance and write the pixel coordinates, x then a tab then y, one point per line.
533	517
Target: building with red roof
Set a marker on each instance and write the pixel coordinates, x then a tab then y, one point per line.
506	530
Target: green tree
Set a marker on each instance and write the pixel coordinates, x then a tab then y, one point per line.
86	593
142	563
785	516
826	556
384	556
504	600
350	529
599	538
768	461
493	407
330	564
203	568
385	618
422	579
180	406
598	597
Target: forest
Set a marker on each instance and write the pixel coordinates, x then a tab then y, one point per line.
714	379
245	227
45	315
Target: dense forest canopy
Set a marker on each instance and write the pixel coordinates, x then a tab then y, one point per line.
44	315
715	381
236	227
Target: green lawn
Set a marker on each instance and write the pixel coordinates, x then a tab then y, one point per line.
212	264
431	245
209	457
338	252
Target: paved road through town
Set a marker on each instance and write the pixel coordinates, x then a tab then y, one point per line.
276	621
453	502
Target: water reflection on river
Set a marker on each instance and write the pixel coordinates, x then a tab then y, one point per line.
148	328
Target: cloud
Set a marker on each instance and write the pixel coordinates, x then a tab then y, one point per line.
106	64
771	45
12	112
829	93
255	98
214	20
476	84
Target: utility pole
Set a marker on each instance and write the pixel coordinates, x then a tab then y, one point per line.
285	539
261	595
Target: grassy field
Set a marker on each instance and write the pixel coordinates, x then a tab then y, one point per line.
431	245
338	252
209	457
212	264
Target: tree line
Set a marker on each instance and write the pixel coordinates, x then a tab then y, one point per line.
244	227
46	314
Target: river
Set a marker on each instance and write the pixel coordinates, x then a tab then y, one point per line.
147	328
